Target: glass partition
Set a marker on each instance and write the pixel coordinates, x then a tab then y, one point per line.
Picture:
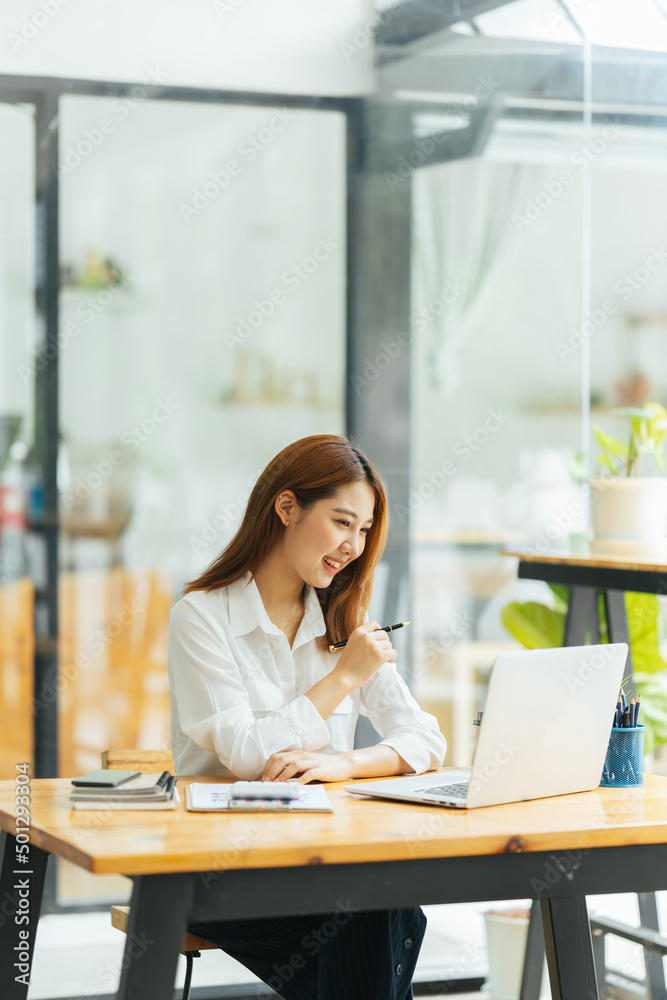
202	319
494	162
17	378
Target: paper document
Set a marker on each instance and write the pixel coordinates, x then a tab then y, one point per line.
214	798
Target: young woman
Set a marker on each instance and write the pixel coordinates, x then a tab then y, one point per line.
255	692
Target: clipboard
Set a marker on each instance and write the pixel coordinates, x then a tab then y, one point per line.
200	797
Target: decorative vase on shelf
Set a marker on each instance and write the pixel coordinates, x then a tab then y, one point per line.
629	511
632	510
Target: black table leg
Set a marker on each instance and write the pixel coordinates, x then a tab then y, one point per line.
655	972
569	948
617	625
599	955
21	888
582	611
533	964
156	927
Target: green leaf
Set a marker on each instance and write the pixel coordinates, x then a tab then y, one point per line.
610	444
562	596
534	625
643	611
653	714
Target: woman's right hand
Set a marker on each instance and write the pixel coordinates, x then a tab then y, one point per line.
366	651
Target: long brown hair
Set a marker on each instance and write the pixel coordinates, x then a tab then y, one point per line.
314	468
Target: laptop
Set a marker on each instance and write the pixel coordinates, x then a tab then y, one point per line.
544	731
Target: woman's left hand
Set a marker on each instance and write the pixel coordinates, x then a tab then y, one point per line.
305	766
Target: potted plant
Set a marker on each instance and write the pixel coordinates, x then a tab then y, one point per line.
629	510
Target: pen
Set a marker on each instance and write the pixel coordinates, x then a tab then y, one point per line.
637	707
386	628
626	717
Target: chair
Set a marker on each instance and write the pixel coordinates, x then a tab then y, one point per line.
152	762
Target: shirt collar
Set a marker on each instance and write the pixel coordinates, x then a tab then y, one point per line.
247	612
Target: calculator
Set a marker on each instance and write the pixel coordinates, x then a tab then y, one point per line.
266	789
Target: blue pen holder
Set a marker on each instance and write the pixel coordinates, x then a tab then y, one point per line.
624	764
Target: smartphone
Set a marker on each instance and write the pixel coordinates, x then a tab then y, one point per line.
104	779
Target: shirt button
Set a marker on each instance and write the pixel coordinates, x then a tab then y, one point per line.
399	969
407	943
285	677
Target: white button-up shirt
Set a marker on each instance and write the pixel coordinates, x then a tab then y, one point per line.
238	690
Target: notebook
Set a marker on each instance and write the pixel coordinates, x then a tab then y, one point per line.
545	731
145	791
201	797
128	804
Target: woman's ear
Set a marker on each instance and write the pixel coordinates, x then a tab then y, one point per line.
285	506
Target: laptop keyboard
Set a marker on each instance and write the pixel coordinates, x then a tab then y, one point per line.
457	791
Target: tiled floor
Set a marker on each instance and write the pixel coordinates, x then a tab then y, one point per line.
80	955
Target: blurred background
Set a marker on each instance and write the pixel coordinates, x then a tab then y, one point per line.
436	227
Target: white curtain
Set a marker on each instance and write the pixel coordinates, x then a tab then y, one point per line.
464	229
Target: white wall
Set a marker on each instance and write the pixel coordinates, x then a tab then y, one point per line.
295	46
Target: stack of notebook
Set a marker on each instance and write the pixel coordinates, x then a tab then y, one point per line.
145	791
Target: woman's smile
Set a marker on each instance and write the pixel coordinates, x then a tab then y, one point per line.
331	565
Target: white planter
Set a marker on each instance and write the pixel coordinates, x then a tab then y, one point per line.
629	509
506	947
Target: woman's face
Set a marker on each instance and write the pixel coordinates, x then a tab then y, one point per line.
322	541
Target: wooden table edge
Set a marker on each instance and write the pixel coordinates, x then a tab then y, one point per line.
335	854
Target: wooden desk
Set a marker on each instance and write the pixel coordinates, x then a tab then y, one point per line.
369	854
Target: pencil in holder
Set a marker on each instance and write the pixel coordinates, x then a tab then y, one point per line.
624	763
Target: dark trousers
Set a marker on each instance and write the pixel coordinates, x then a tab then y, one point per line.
346	955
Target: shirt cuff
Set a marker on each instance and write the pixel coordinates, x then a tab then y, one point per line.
416	756
311	729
